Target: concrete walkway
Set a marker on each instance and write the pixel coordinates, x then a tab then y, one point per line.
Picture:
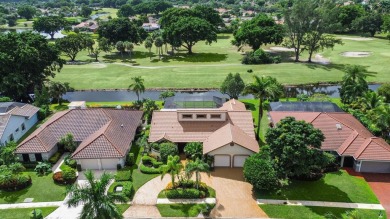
186	201
56	167
320	204
31	205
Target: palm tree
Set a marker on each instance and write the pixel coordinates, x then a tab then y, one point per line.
137	86
197	166
263	88
382	119
173	167
129	46
159	42
371	100
354	83
57	89
149	45
97	204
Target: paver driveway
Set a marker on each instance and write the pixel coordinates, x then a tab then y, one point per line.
234	196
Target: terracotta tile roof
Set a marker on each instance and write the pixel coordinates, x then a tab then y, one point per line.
165	124
87	126
3	123
227	134
343	133
27	111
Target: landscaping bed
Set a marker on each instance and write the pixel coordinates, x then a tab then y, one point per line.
336	187
305	212
16	213
184	210
188	193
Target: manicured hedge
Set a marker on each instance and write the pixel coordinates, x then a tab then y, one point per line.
149	170
128	189
65	177
53	159
123	175
147	160
184	194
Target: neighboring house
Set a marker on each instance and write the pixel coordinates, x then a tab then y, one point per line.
104	137
15	120
89	25
346	137
227	132
150	26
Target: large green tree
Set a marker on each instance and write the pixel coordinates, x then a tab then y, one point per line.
72	44
263	88
354	83
233	85
26	60
348	13
85	11
198	166
370	23
122	29
261	30
27	11
137	86
49	24
57	89
295	148
125	11
96	203
190	30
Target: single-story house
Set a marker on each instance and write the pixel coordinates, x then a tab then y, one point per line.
15	120
227	132
346	137
104	137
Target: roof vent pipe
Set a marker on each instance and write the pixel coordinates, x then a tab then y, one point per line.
338	126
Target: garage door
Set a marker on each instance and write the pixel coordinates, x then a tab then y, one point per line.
375	167
239	160
221	160
109	164
89	164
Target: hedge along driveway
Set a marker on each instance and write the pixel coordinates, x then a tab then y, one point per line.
43	189
336	187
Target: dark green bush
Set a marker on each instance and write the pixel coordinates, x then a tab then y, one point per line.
131	159
72	163
167	149
30	165
184	194
128	189
69	175
123	175
260	57
119	166
53	159
150	161
149	170
36	214
14	182
194	150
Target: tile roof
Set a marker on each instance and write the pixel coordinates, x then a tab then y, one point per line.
103	133
165	124
227	134
350	138
8	109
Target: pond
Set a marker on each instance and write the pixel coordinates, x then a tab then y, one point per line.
57	35
123	95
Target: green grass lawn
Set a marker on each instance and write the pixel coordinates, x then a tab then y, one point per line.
18	213
123	207
182	210
42	189
210	64
303	212
335	187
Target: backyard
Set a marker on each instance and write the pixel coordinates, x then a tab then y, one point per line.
210	64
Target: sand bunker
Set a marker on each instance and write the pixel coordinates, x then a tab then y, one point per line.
357	38
321	60
98	65
281	49
356	54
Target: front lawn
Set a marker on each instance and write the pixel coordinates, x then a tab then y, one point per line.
18	213
304	212
335	187
182	210
122	207
43	189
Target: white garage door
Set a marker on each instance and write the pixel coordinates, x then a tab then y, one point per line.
239	160
90	164
221	160
109	164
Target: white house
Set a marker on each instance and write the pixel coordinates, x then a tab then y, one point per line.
15	120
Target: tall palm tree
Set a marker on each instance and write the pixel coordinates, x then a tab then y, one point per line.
173	167
159	42
149	45
57	89
371	100
137	86
354	83
97	204
382	119
263	88
197	166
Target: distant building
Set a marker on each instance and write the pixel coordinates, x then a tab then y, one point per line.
150	26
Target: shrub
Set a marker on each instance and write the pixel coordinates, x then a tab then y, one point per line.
150	161
128	189
68	142
184	194
131	159
36	214
14	182
54	159
118	166
259	171
167	149
123	175
43	168
30	165
5	99
70	162
149	170
194	150
260	57
384	90
78	167
68	176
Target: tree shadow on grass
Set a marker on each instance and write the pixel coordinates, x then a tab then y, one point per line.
12	197
306	190
199	57
326	67
223	37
